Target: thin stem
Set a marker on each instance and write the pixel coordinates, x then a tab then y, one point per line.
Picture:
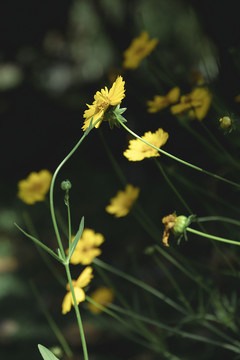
219	218
172	186
79	320
51	322
213	237
53	182
140	284
180	160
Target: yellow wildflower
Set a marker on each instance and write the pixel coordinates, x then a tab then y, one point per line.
35	187
139	48
78	285
122	203
138	150
160	102
87	247
195	104
102	100
103	296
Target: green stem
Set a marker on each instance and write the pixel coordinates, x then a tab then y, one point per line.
79	320
213	237
52	323
53	182
180	160
140	284
172	186
219	218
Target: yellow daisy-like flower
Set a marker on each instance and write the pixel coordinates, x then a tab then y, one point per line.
102	100
138	150
139	48
35	187
195	104
103	296
87	247
78	285
122	203
160	102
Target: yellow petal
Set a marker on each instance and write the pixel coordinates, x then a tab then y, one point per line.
85	277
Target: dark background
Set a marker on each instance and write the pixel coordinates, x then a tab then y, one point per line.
54	56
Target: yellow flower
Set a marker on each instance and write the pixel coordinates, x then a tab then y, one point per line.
35	187
102	100
122	203
195	104
138	150
87	247
139	48
160	102
78	285
103	296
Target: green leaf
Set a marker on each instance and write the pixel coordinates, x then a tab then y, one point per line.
46	354
76	239
39	243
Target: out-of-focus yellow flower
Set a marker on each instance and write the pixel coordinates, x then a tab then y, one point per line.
195	104
87	247
160	102
103	296
78	285
102	100
139	48
138	150
237	98
35	187
122	203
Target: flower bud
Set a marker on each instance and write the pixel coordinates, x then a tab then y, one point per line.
181	223
225	122
66	185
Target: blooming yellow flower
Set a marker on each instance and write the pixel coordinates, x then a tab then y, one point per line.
160	102
195	104
122	203
103	296
139	48
87	247
138	150
35	187
102	100
78	285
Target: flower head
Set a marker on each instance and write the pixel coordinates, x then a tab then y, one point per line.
139	48
103	296
87	247
138	150
35	187
102	100
177	224
122	203
78	285
195	104
160	102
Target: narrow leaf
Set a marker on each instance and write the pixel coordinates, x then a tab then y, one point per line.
76	239
39	243
46	354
